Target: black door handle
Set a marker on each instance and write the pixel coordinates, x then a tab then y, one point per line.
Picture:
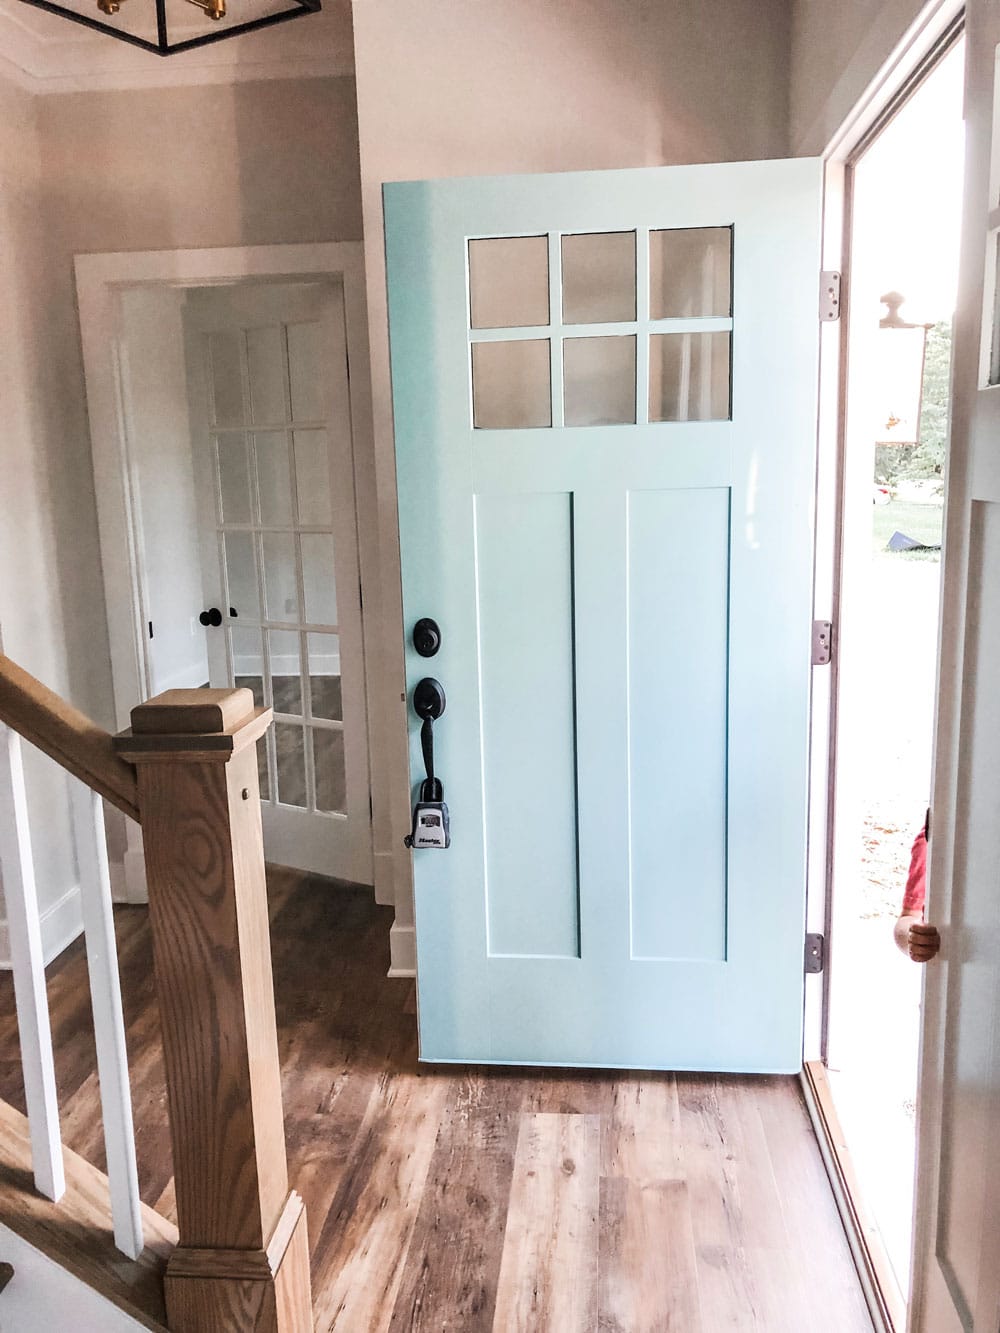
213	617
429	703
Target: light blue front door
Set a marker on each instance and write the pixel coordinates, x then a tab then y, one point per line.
605	413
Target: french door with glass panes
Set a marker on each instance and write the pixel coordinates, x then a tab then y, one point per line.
271	432
605	412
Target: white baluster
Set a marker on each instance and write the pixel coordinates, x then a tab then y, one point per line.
109	1023
28	966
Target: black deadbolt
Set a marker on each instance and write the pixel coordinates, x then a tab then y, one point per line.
426	637
428	699
213	617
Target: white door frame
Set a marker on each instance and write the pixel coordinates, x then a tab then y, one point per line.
99	280
920	44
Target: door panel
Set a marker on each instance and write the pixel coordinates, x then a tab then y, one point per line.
529	738
604	392
271	425
956	1284
970	1062
678	563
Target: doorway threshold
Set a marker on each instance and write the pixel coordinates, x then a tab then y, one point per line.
886	1302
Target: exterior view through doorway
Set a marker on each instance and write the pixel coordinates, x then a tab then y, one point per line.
906	196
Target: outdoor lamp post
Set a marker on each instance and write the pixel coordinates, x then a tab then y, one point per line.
900	352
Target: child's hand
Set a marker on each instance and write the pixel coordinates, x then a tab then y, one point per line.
923	942
901	930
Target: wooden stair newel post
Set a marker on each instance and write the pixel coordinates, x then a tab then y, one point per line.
242	1262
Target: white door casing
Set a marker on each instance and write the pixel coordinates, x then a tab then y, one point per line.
957	1234
100	280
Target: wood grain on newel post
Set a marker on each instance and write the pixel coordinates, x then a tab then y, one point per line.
242	1261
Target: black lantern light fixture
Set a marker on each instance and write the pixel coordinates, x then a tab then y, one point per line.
163	26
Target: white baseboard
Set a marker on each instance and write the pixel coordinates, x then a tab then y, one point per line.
131	887
191	677
61	924
402	951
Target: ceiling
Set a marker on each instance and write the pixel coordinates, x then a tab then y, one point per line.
48	54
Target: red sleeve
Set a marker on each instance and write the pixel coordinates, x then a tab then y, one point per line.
916	881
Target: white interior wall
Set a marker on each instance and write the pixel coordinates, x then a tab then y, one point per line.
465	87
168	168
33	585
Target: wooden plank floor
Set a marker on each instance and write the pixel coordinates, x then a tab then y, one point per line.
475	1199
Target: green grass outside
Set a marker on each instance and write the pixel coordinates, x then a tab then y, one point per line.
921	521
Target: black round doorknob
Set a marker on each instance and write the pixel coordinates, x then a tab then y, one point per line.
213	617
426	637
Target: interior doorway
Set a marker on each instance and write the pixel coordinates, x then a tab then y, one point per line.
225	425
905	195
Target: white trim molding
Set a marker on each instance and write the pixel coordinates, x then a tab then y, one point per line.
100	280
61	923
891	78
402	951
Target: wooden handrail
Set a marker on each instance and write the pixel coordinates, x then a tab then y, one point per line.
66	735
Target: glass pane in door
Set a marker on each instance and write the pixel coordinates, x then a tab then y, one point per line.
289	746
275	519
286	671
328	754
324	677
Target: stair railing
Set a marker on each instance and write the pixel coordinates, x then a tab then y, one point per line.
187	770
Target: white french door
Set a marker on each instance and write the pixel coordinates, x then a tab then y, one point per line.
271	432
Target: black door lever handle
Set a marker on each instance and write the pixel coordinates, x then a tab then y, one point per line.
429	702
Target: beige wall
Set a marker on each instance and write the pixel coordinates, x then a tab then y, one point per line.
453	87
252	163
837	50
163	169
33	583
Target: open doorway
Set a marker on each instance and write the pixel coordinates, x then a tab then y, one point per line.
234	480
905	192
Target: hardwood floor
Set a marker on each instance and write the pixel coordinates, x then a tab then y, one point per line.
480	1199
